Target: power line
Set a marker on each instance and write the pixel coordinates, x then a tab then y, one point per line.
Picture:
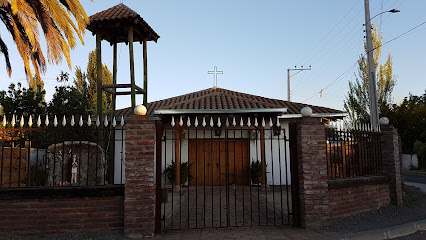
334	38
332	81
306	55
393	39
348	48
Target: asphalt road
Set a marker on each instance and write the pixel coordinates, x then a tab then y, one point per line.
415	178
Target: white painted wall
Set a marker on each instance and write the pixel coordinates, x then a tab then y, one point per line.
119	158
409	161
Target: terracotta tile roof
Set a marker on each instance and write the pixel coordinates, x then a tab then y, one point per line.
118	12
123	16
219	98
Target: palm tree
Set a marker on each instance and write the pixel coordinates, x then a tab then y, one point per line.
22	17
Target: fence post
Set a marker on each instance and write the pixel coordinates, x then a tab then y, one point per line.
312	171
139	198
391	158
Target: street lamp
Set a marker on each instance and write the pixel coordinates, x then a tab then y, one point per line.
390	11
372	92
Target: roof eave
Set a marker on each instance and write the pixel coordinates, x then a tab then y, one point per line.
219	111
318	115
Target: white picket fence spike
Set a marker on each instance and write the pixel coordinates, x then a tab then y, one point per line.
234	123
196	122
263	122
122	121
89	121
21	123
172	123
4	121
46	121
278	122
30	121
55	121
106	121
114	122
211	122
241	122
248	122
80	122
255	122
218	122
188	122
227	122
181	121
13	122
270	122
98	121
204	122
38	121
72	122
64	121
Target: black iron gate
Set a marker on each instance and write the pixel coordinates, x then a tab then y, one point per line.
224	174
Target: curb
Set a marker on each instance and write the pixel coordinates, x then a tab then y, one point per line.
388	233
415	172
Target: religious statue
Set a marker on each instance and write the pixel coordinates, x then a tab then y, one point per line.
74	168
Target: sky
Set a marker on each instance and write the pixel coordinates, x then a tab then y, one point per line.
254	43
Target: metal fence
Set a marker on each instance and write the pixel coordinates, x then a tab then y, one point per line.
353	151
64	153
221	172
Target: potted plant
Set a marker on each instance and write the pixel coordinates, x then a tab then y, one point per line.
255	172
185	172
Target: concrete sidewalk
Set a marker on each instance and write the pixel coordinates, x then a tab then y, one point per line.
257	232
421	186
388	233
282	232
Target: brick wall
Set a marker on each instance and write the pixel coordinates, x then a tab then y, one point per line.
346	201
391	158
312	172
59	211
139	202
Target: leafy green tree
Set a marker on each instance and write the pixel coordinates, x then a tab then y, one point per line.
85	82
68	101
38	82
420	150
22	101
357	101
409	117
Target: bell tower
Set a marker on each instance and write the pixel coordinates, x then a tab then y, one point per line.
120	24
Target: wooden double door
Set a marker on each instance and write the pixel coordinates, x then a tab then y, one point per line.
219	161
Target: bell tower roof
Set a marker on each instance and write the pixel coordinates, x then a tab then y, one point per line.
113	25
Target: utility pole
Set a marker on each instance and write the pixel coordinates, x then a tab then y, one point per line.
372	92
288	77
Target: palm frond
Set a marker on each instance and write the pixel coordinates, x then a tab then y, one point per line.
21	19
5	52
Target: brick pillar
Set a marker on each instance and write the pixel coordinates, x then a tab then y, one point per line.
391	158
139	199
312	170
